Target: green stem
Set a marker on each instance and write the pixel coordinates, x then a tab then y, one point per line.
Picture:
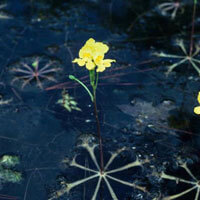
97	79
81	83
92	77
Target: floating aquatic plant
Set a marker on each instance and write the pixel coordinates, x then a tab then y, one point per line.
68	102
169	8
35	69
194	182
187	57
6	173
85	141
3	14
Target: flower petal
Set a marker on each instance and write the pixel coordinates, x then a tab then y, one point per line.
79	61
100	69
85	52
107	62
198	98
90	42
101	47
90	65
98	59
197	110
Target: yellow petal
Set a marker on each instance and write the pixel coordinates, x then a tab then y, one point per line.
90	42
110	60
75	60
197	110
98	59
101	47
107	62
90	65
79	61
198	98
85	52
100	69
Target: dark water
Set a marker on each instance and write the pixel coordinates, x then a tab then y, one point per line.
140	108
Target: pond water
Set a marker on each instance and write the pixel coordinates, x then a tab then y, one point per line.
145	107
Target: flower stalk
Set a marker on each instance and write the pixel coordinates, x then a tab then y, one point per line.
94	83
82	84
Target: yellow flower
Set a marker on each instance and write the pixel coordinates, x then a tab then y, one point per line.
91	55
197	109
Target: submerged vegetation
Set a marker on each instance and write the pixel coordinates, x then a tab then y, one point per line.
7	174
68	102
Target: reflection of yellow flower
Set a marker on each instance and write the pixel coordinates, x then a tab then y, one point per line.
197	109
92	55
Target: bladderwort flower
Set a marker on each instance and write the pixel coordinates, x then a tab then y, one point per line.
197	108
92	54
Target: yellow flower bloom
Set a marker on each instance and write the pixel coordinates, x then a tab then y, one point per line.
91	55
197	109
